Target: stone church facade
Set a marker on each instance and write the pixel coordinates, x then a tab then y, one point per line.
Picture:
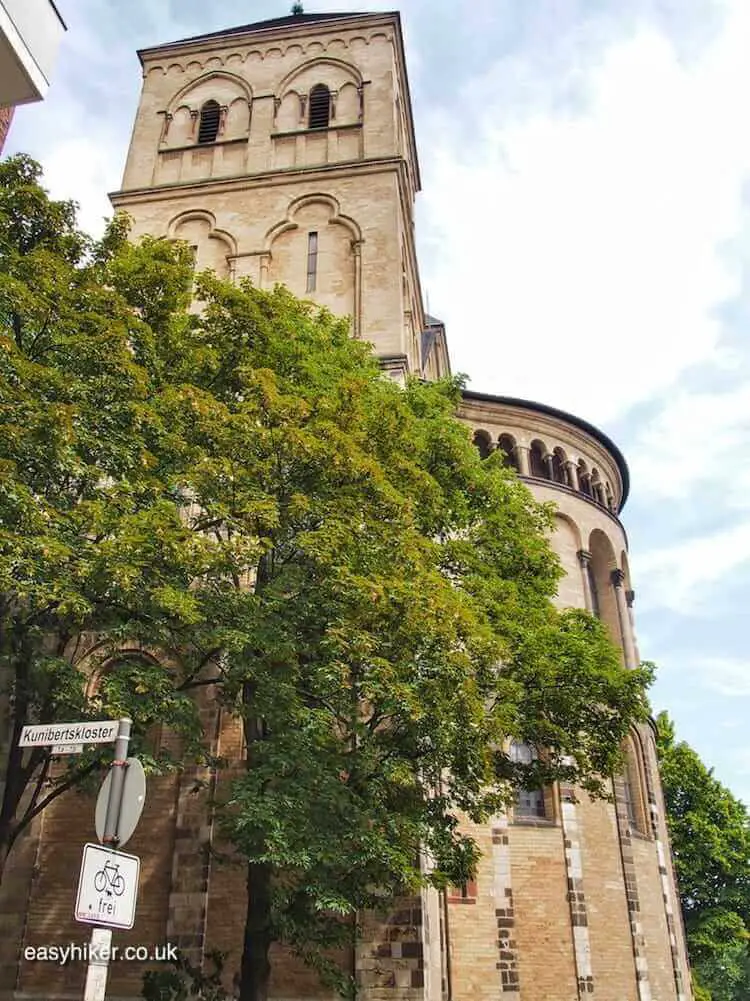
284	151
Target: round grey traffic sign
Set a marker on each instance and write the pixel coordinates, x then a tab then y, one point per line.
133	798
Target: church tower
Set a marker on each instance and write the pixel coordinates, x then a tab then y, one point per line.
284	151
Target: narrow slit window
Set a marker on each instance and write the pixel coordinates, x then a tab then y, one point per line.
208	128
312	261
320	107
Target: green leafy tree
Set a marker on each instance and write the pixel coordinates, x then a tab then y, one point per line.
243	488
385	620
91	539
710	834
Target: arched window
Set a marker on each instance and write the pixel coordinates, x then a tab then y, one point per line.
529	803
483	443
208	129
506	443
320	107
538	467
558	466
630	787
117	682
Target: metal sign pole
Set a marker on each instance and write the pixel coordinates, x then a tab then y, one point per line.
98	960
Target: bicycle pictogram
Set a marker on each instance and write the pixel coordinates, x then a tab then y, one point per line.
109	877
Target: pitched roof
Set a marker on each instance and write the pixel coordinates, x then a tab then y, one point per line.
275	22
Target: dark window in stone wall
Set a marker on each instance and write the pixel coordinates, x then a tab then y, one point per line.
209	123
320	106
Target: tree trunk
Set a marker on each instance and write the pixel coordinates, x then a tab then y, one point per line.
4	852
255	971
16	777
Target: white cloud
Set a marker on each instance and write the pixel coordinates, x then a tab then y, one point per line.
685	577
724	675
697	439
85	170
576	256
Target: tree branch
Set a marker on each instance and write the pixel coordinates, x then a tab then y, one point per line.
57	791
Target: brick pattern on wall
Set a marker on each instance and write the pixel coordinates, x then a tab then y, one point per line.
390	954
507	947
631	892
666	879
576	895
191	862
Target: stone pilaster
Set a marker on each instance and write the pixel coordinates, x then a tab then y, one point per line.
584	559
631	892
618	580
666	877
576	895
630	598
507	962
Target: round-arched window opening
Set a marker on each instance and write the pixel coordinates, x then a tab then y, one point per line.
208	129
482	443
558	466
320	107
506	443
537	462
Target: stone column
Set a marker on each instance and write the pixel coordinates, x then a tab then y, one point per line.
166	122
223	112
630	598
265	263
549	466
618	579
523	459
584	558
573	474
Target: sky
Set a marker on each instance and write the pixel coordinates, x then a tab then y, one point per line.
584	232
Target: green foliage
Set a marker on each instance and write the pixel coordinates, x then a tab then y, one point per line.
400	625
186	982
244	490
710	833
92	544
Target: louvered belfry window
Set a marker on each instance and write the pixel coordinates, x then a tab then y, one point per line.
209	123
320	107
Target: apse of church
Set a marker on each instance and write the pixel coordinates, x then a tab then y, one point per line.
284	151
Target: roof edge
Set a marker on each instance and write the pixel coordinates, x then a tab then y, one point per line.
579	422
262	27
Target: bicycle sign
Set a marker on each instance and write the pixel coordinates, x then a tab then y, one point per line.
107	887
109	880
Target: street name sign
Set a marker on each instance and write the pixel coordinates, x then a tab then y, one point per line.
107	887
67	749
53	734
